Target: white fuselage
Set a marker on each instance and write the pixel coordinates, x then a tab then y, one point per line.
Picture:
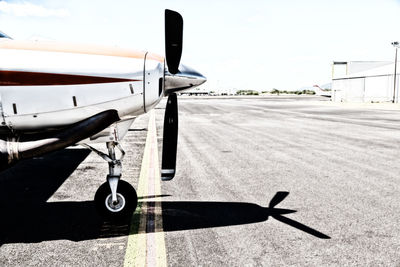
48	85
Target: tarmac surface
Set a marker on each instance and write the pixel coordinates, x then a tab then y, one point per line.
261	181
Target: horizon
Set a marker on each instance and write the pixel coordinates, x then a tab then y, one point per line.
238	46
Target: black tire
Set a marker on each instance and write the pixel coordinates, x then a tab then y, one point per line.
129	196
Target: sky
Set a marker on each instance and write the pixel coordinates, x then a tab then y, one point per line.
237	45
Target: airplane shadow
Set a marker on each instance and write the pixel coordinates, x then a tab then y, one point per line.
24	190
26	217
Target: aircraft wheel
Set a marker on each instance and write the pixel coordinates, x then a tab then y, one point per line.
125	206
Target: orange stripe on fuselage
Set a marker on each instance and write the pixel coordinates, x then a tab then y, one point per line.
23	78
47	46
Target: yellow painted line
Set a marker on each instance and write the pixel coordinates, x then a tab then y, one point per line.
161	260
147	249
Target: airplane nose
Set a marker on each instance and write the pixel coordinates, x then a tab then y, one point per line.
186	78
191	73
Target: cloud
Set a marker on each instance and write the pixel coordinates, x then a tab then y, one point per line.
26	9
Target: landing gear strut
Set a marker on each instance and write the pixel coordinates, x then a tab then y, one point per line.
114	198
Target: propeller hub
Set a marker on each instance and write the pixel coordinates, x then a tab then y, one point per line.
186	78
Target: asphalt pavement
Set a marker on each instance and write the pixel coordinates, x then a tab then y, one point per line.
261	181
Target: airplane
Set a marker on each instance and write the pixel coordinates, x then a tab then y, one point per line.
322	92
55	95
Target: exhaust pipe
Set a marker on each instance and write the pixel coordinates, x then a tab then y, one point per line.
16	148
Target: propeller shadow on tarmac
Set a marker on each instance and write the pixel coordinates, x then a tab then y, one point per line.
26	217
196	215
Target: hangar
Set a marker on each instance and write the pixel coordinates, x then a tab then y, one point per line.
364	81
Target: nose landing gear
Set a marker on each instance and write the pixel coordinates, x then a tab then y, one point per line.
115	199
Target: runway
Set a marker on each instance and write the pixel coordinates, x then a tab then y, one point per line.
261	181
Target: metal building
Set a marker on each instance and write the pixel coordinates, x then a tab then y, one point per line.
364	81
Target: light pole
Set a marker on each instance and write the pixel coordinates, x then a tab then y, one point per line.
396	45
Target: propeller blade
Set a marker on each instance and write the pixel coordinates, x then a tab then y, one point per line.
278	198
301	227
170	138
173	40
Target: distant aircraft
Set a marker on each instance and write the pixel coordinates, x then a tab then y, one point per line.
55	95
322	92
